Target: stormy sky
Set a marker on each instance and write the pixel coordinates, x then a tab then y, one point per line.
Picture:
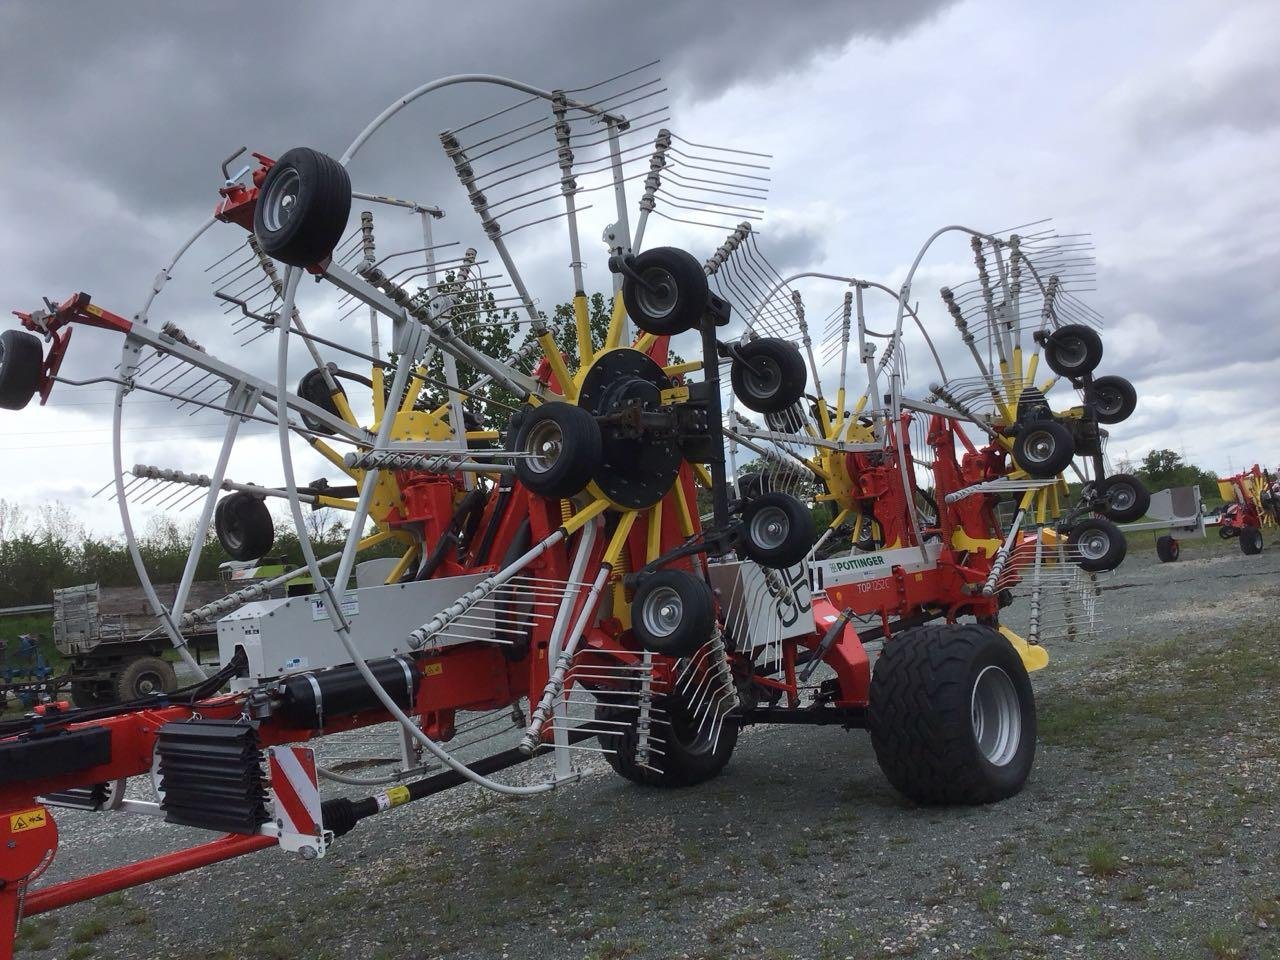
1153	127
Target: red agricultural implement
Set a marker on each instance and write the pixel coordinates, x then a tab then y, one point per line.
550	555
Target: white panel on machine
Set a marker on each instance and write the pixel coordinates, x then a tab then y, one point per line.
765	606
293	634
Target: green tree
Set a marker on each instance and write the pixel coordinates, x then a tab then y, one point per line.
1166	468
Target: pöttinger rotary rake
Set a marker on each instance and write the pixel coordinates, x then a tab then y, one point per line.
1252	503
527	571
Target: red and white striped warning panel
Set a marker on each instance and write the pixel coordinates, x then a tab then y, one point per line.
297	792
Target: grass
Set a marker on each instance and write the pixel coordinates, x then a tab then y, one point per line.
1103	860
79	952
1223	944
35	934
989	900
89	930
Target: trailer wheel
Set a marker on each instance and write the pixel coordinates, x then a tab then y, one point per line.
1115	399
1251	541
688	754
21	360
1044	448
777	530
302	207
1167	549
1073	350
243	525
1098	543
952	716
770	376
562	448
143	677
676	294
673	613
1124	498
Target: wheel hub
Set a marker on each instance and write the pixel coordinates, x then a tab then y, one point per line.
996	716
641	451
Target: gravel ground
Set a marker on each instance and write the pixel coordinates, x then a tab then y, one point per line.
1147	829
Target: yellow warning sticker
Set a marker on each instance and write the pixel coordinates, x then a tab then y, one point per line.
433	669
27	820
398	795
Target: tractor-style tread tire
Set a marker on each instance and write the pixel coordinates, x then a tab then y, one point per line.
920	715
678	766
1167	549
1251	541
21	361
319	211
141	671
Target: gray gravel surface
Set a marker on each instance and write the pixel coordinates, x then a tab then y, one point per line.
1147	829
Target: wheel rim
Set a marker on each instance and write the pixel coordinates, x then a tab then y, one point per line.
769	528
688	733
148	683
281	200
765	378
1070	352
657	293
1121	496
663	611
1109	402
1039	446
1093	544
545	443
996	715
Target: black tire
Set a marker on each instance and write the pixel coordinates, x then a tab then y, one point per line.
1226	533
1073	350
687	758
1099	544
21	361
302	207
673	613
566	449
1124	498
313	388
770	376
243	525
1167	549
925	693
86	693
1043	448
677	296
1251	541
144	677
512	605
1114	399
777	530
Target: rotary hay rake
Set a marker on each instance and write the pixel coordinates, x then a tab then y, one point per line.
1252	503
554	587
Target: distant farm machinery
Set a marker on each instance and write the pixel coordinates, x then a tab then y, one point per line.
579	565
1252	503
